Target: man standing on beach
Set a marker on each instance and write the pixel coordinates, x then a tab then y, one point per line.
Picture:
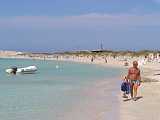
134	77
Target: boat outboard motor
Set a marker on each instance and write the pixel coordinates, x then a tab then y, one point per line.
14	70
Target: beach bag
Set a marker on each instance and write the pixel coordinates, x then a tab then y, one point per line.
125	87
128	88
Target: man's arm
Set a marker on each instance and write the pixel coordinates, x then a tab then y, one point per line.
139	75
128	74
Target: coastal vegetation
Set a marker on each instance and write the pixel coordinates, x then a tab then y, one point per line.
112	53
83	53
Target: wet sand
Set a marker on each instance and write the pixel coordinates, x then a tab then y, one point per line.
104	102
99	102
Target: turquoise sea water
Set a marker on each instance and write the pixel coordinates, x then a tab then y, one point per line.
50	92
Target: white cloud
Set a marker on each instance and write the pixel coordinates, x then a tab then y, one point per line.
83	21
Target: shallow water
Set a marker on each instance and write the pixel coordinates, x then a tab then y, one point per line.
48	94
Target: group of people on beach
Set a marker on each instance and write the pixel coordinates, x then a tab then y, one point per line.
131	82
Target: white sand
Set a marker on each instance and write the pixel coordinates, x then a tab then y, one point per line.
146	108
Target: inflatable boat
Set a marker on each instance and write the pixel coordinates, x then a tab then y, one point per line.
25	70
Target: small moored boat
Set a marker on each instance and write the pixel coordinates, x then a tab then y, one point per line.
25	70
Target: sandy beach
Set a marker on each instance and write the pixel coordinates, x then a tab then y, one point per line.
145	108
99	107
103	102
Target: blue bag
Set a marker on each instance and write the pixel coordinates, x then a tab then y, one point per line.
125	87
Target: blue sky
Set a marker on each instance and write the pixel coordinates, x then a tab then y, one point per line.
58	25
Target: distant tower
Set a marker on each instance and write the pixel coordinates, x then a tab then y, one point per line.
101	46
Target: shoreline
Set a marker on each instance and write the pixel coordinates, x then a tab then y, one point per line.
150	71
110	63
96	106
147	107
